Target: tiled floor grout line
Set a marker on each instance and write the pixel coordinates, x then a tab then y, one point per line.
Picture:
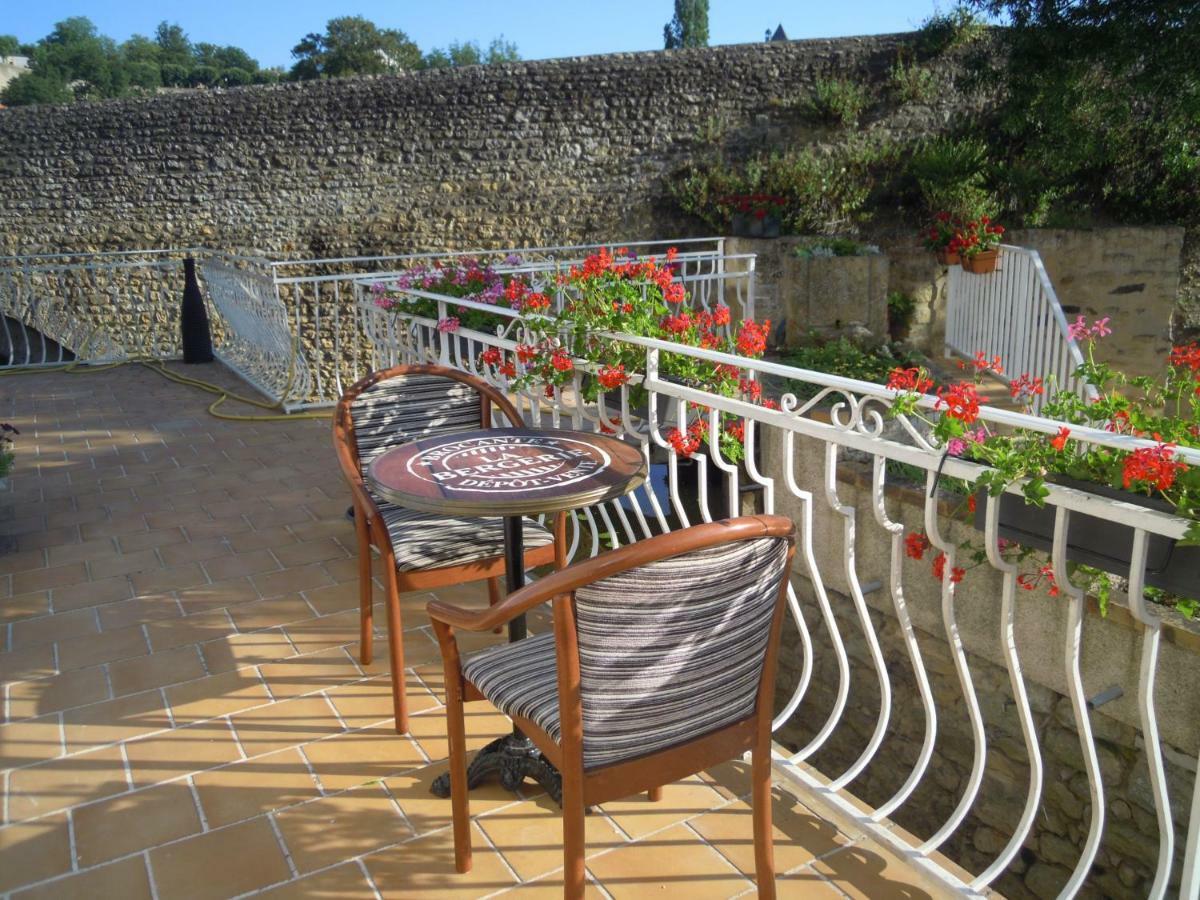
283	847
362	867
337	715
312	773
130	784
191	783
150	875
236	740
71	840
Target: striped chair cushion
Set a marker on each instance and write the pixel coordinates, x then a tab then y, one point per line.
428	540
409	407
667	652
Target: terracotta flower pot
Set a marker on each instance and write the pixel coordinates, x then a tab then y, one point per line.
981	263
946	257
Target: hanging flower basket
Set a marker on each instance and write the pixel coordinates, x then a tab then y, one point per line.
947	257
1102	543
981	263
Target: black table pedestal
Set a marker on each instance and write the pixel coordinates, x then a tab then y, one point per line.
513	757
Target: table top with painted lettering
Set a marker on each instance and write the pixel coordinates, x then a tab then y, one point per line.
507	472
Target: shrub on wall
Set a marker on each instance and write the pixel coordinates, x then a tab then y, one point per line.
822	191
838	101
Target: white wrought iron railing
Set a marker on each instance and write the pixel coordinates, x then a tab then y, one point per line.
1014	313
803	459
89	308
289	327
829	605
292	328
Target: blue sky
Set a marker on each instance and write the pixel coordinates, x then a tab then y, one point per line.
268	29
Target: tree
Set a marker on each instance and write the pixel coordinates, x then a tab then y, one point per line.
352	45
173	44
469	54
1102	101
9	45
689	28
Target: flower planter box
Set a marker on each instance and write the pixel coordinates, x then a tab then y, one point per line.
981	263
946	257
829	294
744	225
1102	543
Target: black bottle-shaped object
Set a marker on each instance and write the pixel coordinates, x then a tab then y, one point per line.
193	319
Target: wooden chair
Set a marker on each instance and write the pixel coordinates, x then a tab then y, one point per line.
661	664
419	550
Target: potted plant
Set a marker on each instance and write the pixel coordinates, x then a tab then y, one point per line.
977	244
6	455
755	215
941	232
1167	411
610	293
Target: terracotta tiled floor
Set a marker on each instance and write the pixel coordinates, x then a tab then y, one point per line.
184	714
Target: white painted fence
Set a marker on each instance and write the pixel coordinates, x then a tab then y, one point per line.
261	330
857	415
1013	313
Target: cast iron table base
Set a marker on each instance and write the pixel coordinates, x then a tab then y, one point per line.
513	758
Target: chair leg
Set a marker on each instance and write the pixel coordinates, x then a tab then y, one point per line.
366	617
494	597
574	876
764	850
395	642
456	733
654	794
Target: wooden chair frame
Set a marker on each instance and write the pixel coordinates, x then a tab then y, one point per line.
372	531
583	788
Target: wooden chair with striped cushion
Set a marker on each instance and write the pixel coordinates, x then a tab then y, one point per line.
419	550
661	664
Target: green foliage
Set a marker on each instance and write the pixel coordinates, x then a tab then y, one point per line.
901	307
1102	100
823	192
846	358
9	45
689	27
945	31
913	83
75	62
469	54
837	246
352	45
951	175
838	101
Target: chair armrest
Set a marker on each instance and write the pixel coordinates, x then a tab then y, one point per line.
494	616
565	581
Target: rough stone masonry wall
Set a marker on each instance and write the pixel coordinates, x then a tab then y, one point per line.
518	154
1111	654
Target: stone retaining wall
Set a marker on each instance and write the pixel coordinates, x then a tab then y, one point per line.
528	153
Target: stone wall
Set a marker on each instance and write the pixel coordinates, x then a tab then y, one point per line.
1131	275
526	153
1111	653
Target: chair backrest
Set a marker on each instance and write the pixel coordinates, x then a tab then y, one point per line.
409	407
675	648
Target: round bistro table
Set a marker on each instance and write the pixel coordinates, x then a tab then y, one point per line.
509	472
